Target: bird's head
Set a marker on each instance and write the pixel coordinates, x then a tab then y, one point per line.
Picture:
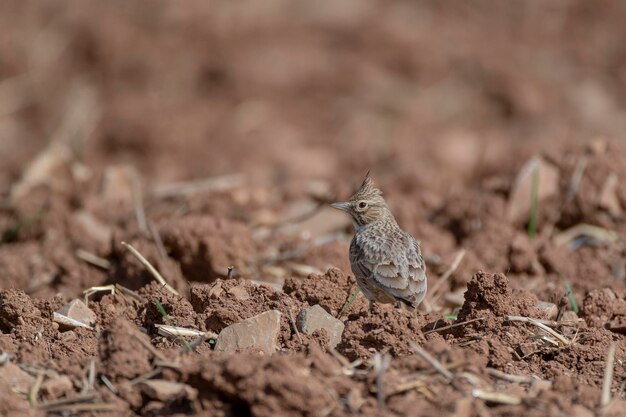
366	206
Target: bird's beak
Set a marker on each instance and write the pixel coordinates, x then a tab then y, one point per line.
343	206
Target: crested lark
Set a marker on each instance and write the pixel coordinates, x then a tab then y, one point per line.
386	261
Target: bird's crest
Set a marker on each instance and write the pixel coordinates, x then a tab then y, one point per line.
368	191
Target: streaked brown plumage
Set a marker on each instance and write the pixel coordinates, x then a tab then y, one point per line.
386	261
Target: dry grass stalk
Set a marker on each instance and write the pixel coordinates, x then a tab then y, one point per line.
150	348
33	394
157	240
436	365
452	326
176	331
148	375
434	291
605	398
595	232
564	340
496	397
93	259
516	379
187	188
108	384
381	364
89	407
417	384
292	320
150	268
54	404
69	322
140	211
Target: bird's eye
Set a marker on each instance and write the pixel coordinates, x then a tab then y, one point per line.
362	204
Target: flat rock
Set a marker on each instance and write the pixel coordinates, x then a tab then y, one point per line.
259	331
549	310
19	380
77	310
316	318
162	390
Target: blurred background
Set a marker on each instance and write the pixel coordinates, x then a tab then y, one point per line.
283	89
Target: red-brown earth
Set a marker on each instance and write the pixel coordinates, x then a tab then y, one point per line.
212	138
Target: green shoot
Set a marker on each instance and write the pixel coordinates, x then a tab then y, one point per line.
534	205
570	293
450	316
167	320
347	306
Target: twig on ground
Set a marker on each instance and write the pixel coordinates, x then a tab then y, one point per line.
91	375
292	320
605	398
33	394
176	331
156	237
69	322
565	341
150	268
93	259
203	185
140	211
108	384
451	326
197	341
415	383
436	365
577	177
150	348
53	404
516	379
77	408
434	292
150	374
496	397
381	364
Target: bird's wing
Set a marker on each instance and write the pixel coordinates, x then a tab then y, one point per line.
417	272
403	277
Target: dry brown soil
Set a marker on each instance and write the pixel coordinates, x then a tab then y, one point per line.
264	113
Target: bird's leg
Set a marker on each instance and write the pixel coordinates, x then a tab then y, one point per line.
371	306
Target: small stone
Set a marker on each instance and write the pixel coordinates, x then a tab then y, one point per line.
58	387
609	199
316	318
77	310
162	390
549	310
239	292
522	189
120	183
19	380
617	325
259	331
538	386
569	316
93	228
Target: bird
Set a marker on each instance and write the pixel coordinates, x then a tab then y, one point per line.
387	262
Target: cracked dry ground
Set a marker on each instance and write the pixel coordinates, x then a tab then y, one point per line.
488	356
